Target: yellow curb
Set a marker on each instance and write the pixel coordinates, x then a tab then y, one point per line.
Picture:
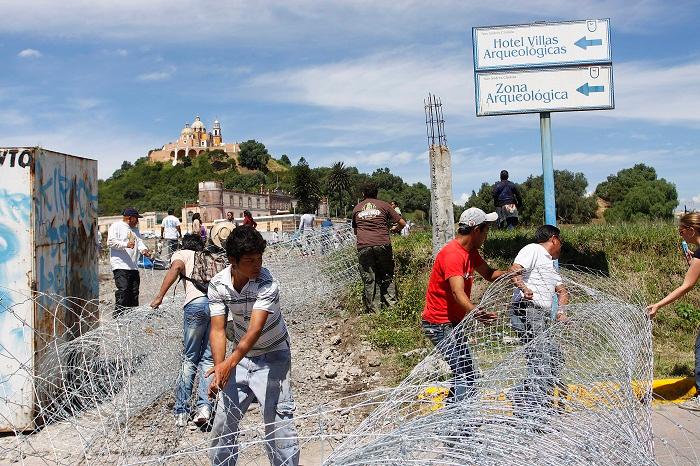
673	390
664	390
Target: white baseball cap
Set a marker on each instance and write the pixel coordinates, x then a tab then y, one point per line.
474	216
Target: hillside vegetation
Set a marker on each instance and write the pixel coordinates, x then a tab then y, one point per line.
645	255
158	186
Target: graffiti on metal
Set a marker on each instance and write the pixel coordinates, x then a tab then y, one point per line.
48	226
15	259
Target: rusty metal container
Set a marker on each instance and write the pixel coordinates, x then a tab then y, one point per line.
48	251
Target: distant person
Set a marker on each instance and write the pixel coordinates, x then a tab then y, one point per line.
198	228
125	243
507	199
537	283
326	235
689	230
395	206
371	219
248	219
229	216
448	297
196	351
276	235
406	230
259	367
306	223
170	232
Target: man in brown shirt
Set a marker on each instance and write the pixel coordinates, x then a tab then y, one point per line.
371	220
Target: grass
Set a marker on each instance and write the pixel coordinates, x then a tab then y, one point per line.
646	255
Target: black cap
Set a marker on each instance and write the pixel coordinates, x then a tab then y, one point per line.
131	212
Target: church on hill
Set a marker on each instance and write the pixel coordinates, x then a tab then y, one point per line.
194	140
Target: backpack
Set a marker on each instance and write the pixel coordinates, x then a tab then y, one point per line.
206	265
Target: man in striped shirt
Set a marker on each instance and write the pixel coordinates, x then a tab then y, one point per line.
246	297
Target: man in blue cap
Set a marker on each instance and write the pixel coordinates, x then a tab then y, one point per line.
124	241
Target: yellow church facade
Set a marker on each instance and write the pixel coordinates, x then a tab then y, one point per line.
193	141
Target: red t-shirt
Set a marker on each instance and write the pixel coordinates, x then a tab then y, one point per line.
452	261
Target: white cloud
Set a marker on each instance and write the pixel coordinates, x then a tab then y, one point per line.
696	199
293	19
122	52
161	75
86	103
462	199
29	53
657	92
395	82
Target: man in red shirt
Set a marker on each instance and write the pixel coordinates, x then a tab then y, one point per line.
447	300
371	220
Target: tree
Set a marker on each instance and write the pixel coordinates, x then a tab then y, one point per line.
339	181
483	199
616	187
306	188
285	160
415	197
572	204
253	155
636	194
219	159
387	181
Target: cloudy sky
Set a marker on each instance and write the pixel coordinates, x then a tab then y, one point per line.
339	80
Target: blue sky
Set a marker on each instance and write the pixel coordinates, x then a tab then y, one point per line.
339	80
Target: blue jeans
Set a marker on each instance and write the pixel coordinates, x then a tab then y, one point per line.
197	353
543	356
453	346
267	379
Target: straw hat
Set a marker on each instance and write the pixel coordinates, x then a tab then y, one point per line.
219	233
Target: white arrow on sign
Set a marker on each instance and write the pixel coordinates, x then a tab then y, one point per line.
542	44
544	90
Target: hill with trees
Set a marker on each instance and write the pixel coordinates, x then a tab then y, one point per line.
157	186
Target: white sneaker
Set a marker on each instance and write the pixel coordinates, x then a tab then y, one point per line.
692	404
181	419
203	415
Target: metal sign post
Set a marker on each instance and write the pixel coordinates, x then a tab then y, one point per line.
543	68
550	211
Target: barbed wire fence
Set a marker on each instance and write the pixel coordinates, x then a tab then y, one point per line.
574	391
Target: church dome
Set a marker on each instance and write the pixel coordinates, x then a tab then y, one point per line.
197	124
186	130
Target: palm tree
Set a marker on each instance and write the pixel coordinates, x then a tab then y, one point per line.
339	181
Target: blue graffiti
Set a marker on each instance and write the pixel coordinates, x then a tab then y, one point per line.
54	197
15	207
9	244
51	280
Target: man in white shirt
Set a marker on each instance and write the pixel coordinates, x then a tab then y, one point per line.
306	228
537	282
306	223
259	367
170	232
124	241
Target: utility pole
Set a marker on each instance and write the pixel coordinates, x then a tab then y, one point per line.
441	206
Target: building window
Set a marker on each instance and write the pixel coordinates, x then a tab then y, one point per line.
265	203
257	203
250	202
240	201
